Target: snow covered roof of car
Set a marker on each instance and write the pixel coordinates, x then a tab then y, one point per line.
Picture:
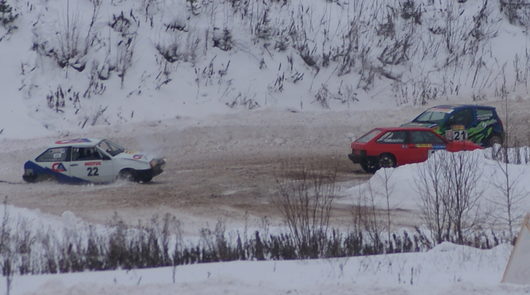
80	142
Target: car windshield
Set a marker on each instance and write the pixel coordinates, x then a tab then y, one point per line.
368	136
110	147
435	116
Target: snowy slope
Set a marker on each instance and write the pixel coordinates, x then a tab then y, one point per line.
296	55
73	64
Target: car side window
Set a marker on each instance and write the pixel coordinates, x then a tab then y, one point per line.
461	117
85	154
393	137
425	137
59	154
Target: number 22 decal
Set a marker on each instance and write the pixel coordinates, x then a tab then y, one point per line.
92	171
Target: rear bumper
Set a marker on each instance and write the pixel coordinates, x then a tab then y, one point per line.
357	155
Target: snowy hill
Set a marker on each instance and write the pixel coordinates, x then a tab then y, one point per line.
160	71
68	65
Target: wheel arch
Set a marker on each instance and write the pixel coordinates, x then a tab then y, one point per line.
493	135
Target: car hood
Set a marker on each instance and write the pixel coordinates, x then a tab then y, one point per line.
135	156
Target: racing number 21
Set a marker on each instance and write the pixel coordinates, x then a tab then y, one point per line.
459	135
92	171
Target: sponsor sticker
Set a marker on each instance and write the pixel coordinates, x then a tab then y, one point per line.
137	156
58	167
423	145
92	163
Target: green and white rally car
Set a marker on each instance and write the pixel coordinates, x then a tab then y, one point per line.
83	160
477	123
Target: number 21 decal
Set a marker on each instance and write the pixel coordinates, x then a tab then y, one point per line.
460	135
92	171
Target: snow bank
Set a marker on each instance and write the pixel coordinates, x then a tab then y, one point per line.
447	269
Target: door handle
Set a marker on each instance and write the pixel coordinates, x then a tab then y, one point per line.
72	165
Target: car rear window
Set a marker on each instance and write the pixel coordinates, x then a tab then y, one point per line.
368	136
433	116
53	155
484	114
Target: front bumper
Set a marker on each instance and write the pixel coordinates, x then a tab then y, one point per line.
157	166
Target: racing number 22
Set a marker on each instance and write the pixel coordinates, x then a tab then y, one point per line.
92	171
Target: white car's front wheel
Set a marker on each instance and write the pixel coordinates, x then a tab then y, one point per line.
127	174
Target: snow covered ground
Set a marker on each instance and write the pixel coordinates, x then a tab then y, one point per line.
446	269
293	115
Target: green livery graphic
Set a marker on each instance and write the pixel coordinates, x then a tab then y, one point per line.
476	123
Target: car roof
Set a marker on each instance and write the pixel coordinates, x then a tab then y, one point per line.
77	142
461	106
404	128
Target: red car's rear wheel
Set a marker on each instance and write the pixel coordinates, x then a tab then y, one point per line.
387	161
370	165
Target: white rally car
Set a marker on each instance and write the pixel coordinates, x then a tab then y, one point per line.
91	160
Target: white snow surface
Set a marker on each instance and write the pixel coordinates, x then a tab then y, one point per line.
404	193
27	78
446	269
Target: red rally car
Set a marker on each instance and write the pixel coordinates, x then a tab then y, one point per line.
395	146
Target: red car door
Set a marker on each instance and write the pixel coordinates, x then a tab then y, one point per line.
392	142
456	146
421	143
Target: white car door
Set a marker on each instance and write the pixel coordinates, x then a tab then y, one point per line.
89	164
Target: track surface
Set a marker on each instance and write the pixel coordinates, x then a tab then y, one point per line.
222	167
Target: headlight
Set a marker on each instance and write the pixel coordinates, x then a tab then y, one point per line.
157	162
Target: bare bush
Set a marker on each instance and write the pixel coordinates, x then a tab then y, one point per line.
5	249
431	187
81	247
385	179
222	39
508	184
58	99
367	218
323	96
305	200
242	100
450	194
127	27
7	19
71	48
517	11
